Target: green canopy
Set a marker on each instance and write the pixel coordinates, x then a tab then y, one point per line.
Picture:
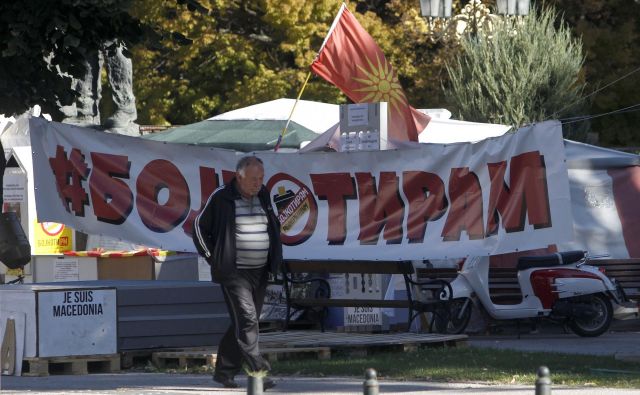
239	135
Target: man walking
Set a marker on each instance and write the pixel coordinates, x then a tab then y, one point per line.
239	236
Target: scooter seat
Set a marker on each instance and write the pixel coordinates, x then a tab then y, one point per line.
559	258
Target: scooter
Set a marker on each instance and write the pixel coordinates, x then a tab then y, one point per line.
558	286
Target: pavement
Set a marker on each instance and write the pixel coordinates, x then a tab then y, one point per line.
621	345
618	344
178	384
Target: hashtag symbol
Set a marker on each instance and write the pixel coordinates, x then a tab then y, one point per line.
70	173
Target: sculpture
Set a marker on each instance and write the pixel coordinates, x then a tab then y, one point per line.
85	110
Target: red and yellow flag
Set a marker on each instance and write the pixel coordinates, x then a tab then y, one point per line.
352	61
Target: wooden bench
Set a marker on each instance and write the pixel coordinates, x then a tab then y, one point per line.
322	296
503	282
505	289
626	272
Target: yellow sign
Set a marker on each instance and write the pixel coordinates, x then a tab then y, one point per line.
52	238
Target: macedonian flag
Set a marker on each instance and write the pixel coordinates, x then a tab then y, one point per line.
352	61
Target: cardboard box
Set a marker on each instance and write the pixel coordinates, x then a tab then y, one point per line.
58	268
126	268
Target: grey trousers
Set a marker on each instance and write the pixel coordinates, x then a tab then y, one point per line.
244	296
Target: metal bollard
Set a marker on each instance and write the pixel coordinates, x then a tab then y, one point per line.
254	385
370	385
543	382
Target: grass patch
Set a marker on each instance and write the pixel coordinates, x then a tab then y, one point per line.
467	364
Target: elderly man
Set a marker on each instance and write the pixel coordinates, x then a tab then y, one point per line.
239	236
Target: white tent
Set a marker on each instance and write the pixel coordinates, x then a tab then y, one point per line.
315	116
257	127
447	131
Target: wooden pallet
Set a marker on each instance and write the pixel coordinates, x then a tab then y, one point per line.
128	358
76	365
360	343
285	353
279	346
202	357
184	358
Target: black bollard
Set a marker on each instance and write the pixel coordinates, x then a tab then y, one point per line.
370	385
254	385
543	382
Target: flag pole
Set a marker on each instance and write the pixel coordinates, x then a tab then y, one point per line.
286	125
333	26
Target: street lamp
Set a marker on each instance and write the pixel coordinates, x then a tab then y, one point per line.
474	15
513	7
442	8
436	8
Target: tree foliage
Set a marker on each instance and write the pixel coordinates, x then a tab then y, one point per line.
610	32
527	71
211	56
39	39
237	53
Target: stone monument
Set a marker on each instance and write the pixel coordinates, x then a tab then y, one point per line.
85	111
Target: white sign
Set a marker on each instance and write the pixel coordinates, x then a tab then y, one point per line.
358	114
362	316
14	188
66	270
500	195
363	126
77	321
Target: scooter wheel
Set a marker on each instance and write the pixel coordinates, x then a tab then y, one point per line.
453	317
597	325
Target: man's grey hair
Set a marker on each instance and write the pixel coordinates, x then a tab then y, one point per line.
247	161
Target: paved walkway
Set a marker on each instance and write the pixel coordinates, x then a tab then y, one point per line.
619	344
158	383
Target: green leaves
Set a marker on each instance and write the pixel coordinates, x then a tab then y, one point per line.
528	71
40	39
71	41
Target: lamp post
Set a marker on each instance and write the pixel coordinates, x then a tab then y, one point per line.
436	8
513	7
475	15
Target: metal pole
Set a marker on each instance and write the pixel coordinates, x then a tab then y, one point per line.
254	385
370	385
543	382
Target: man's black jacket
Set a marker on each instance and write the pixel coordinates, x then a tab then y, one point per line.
214	232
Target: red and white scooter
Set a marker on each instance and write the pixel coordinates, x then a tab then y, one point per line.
558	286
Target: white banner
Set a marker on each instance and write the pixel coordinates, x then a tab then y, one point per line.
499	195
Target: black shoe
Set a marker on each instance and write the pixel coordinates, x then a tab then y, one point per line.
226	382
267	384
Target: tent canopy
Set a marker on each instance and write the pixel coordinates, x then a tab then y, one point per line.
239	135
258	126
313	115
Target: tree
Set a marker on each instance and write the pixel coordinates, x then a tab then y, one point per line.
237	53
40	39
234	53
610	31
527	71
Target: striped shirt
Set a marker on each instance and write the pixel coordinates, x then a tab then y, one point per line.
252	238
